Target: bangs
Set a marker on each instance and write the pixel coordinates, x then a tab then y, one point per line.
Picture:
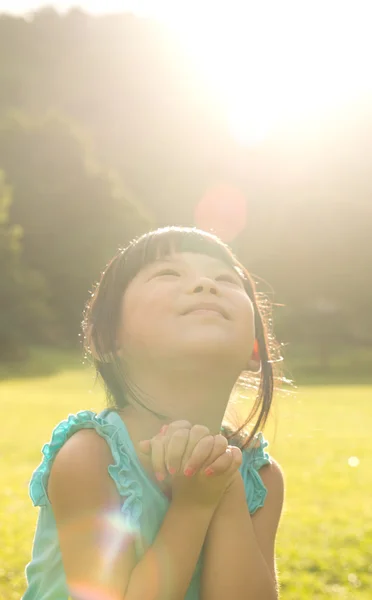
161	243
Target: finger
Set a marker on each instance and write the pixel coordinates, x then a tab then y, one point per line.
221	464
197	433
231	459
145	446
237	459
172	428
176	449
220	446
199	456
237	456
158	457
175	425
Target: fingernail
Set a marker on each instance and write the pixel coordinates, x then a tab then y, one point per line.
163	429
208	472
172	470
160	476
189	472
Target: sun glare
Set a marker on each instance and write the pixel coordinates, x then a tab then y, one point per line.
270	64
276	63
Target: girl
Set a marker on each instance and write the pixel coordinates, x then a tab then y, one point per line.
147	500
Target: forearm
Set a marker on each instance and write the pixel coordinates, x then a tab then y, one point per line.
165	571
233	563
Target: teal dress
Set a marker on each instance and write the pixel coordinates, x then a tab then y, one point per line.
144	504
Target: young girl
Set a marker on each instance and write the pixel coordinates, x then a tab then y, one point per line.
147	500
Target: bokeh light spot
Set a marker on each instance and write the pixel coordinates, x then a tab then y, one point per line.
223	211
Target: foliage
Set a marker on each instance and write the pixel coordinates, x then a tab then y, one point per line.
325	539
72	212
24	311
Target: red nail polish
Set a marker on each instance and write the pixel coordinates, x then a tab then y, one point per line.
172	470
189	472
208	472
160	476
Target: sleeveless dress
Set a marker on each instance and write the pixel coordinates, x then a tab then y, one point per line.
144	504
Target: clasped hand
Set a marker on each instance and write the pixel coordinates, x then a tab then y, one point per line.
199	466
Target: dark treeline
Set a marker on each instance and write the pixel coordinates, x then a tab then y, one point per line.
107	129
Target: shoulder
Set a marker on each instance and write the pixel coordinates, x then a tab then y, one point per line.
272	477
73	441
262	476
83	453
79	473
83	448
87	465
270	472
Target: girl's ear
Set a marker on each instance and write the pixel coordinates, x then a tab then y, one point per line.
254	363
254	367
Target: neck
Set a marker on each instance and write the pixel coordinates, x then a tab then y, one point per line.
200	397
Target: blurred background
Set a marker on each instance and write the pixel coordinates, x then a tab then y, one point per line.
251	120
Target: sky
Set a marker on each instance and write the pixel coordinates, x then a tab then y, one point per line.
273	62
22	6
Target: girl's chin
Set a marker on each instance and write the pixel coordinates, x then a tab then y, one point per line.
212	346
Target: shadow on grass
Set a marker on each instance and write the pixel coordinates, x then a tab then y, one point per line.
346	366
332	376
43	362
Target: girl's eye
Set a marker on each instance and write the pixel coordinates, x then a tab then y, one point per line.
167	273
228	278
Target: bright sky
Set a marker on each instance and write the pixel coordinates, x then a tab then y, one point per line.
272	62
21	6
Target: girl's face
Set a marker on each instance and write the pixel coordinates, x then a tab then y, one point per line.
187	305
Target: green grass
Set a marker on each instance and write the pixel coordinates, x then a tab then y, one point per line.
325	541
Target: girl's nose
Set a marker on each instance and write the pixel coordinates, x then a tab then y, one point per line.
204	285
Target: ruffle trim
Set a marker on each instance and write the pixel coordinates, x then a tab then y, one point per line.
254	458
120	470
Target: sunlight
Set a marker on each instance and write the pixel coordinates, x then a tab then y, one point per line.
270	64
273	64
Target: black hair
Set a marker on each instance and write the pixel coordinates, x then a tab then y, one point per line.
103	312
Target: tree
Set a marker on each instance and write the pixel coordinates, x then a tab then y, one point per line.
73	213
25	316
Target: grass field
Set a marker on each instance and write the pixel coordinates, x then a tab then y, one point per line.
325	540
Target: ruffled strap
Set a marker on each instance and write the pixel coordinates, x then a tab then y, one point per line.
120	471
254	458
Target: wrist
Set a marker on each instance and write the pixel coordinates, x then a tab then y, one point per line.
193	507
234	496
198	492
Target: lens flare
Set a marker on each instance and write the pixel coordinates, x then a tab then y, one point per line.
81	591
113	534
222	210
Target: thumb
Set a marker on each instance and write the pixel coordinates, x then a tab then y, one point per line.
145	446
